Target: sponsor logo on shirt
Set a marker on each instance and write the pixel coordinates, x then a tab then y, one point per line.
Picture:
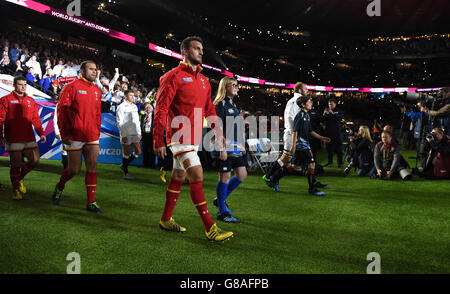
82	92
13	101
187	80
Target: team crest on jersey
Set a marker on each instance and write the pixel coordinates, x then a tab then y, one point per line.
203	82
82	92
187	80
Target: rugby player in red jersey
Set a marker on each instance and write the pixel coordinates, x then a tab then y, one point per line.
18	115
184	99
79	121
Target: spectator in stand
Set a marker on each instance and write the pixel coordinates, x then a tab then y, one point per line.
46	82
71	69
57	69
31	77
47	65
6	66
18	69
24	56
5	51
35	65
14	53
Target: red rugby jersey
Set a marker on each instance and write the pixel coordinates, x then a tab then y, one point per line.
79	111
182	93
18	115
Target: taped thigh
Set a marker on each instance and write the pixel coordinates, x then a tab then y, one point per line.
188	159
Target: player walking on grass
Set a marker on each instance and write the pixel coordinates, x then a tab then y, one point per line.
184	99
235	146
79	121
303	155
279	167
18	115
130	131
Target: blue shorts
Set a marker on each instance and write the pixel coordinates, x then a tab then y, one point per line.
232	162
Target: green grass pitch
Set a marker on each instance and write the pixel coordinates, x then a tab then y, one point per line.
406	223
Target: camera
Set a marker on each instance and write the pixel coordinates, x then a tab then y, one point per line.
426	100
431	136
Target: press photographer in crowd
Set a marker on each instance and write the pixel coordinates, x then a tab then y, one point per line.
388	159
442	115
360	152
438	159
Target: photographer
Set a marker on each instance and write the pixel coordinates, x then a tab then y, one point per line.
361	152
438	160
441	115
387	159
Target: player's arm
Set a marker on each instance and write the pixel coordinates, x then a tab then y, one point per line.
214	122
321	138
36	121
166	93
3	113
64	112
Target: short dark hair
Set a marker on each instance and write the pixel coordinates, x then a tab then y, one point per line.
19	78
302	100
186	43
332	100
127	91
84	63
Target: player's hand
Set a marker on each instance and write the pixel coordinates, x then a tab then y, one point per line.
124	140
223	155
43	139
58	137
325	139
67	140
160	152
378	171
140	137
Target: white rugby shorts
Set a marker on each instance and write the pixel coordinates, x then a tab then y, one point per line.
184	156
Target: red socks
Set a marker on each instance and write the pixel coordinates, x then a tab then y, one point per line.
65	177
26	168
198	198
90	180
14	173
172	194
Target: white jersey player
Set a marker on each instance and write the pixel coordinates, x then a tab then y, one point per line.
130	131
